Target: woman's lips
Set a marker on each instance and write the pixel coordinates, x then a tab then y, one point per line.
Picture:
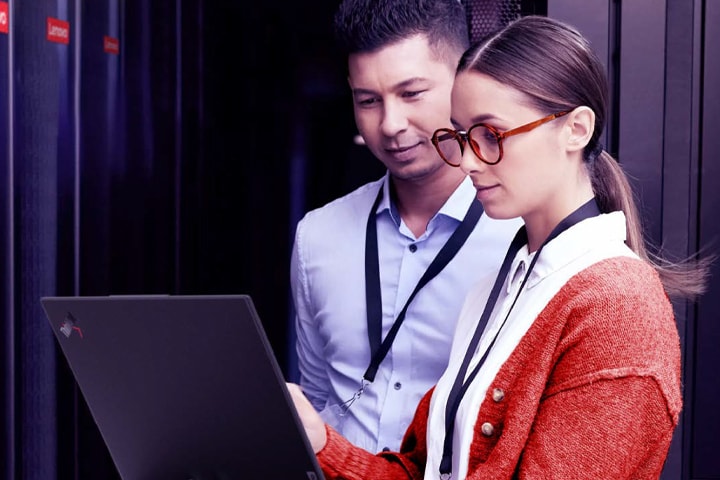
485	191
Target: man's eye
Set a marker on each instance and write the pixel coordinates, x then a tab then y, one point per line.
367	102
412	94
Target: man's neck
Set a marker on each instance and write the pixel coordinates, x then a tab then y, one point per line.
418	202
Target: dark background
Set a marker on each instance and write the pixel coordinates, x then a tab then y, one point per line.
182	165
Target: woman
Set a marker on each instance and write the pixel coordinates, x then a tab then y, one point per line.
567	364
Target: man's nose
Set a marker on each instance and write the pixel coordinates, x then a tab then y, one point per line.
394	119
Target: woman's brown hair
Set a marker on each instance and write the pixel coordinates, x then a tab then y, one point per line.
554	66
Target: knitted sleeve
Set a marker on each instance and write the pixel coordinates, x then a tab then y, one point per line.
342	460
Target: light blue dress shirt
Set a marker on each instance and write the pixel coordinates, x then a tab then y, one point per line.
328	286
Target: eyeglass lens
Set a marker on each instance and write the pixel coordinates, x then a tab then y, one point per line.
482	140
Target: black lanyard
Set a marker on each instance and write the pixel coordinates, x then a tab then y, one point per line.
460	386
373	297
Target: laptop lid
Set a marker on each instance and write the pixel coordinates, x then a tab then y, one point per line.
183	387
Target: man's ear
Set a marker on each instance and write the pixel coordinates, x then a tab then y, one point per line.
581	125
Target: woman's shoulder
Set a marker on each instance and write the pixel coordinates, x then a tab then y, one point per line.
617	321
614	279
617	305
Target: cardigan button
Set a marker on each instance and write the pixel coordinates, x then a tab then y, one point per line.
498	395
487	429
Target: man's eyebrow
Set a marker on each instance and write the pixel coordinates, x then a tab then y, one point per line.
362	91
398	86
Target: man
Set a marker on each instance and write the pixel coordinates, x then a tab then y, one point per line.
358	262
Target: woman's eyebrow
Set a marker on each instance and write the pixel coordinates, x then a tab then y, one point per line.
481	118
484	117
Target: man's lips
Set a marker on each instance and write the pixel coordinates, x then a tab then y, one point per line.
394	150
403	153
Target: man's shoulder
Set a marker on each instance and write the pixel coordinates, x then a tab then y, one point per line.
357	202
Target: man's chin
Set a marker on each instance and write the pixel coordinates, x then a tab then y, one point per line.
411	171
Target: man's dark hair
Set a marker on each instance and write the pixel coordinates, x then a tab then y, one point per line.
368	25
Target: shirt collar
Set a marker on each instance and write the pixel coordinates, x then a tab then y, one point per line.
518	269
568	247
385	203
455	207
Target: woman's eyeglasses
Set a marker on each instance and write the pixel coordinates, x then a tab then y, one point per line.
485	140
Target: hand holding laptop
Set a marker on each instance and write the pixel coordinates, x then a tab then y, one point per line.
314	425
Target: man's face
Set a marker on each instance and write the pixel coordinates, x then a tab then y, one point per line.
401	95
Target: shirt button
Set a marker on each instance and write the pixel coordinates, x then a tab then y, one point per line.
498	395
397	385
386	449
413	247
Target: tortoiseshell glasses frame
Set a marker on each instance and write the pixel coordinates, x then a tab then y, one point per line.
479	131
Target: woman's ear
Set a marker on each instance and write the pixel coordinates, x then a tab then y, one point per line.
581	125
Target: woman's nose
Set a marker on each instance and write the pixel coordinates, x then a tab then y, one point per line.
469	161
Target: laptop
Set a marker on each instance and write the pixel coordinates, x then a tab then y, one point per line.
183	387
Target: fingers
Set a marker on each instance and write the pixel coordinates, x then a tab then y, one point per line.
314	425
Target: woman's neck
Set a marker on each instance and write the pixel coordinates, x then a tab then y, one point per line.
539	225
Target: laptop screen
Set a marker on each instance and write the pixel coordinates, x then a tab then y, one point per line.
183	387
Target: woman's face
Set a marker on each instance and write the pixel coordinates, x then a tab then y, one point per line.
536	174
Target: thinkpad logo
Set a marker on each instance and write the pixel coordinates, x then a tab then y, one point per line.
69	325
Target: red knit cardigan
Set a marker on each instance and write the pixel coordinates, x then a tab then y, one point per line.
591	391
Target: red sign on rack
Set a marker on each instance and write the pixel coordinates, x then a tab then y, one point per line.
58	31
4	17
111	45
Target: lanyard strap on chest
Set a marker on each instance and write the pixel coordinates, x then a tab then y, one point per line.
373	297
461	383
